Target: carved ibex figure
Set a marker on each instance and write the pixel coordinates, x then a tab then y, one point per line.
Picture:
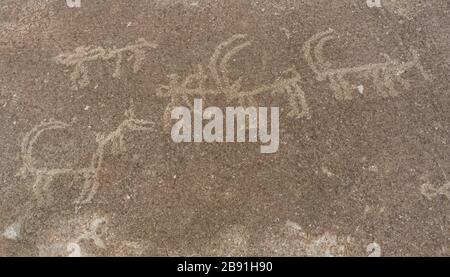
195	84
83	55
431	191
384	75
44	176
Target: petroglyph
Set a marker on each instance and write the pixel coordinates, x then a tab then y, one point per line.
27	22
91	233
327	245
384	75
290	239
431	191
406	8
83	55
293	225
43	176
195	84
73	247
373	250
12	232
86	235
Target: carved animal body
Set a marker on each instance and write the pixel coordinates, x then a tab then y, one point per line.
194	85
431	191
83	55
44	176
384	75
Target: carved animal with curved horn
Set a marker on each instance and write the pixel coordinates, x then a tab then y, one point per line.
44	176
384	75
194	85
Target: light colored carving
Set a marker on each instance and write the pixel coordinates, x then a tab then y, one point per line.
79	58
83	232
179	91
304	244
384	75
431	191
373	250
13	231
44	176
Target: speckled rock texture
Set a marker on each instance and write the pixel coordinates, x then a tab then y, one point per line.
88	166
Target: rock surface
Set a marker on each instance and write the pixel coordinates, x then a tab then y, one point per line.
88	167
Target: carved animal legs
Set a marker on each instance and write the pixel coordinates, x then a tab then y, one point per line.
341	88
88	191
79	77
296	97
41	187
390	86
